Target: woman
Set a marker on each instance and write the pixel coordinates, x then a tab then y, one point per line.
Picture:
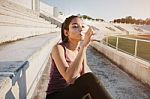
70	76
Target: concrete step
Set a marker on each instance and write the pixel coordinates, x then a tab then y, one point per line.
138	68
18	15
16	24
40	91
23	61
24	17
23	22
12	32
15	7
118	83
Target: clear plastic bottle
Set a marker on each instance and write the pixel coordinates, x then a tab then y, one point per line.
98	36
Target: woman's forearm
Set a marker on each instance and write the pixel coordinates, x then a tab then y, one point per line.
74	68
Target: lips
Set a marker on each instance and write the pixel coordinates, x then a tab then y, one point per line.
81	34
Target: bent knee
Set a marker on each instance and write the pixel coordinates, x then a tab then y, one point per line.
87	77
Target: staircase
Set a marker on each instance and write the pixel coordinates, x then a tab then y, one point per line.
25	44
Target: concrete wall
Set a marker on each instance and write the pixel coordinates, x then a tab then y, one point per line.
46	9
36	5
50	13
136	67
56	12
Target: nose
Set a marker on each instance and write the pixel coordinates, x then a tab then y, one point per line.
81	26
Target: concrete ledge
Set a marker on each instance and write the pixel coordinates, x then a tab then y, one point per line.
52	19
23	62
5	86
136	67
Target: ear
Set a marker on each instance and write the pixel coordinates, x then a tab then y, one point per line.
66	32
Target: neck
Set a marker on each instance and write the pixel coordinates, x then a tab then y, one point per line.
72	45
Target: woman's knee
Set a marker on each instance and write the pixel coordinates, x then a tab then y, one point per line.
87	77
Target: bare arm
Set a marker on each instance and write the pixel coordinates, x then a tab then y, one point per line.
86	67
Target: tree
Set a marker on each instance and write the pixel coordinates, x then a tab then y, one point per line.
147	21
89	18
131	20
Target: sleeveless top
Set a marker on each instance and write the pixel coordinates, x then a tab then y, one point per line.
57	82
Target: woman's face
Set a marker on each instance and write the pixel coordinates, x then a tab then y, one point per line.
75	28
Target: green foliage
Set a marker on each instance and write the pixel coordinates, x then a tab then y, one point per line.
90	18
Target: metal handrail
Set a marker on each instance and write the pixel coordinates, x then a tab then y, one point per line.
135	49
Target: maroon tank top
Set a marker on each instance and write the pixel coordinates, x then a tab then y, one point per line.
57	82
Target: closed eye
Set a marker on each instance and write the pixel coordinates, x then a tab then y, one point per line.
75	26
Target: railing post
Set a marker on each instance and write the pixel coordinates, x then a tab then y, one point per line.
135	50
117	43
107	40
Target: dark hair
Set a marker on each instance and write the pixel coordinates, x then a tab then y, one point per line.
65	26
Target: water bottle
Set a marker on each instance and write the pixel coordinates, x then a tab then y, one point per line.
97	35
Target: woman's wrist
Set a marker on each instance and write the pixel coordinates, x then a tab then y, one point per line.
82	47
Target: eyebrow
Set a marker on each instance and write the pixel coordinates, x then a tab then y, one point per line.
74	23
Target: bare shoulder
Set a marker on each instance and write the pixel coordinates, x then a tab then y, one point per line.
57	49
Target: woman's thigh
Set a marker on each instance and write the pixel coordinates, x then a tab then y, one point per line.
70	92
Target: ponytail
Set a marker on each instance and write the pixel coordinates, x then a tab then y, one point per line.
63	37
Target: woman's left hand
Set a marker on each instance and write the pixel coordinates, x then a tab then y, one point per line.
87	37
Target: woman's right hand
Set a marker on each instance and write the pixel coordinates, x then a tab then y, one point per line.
87	37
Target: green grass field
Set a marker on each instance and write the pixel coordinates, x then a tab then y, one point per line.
128	46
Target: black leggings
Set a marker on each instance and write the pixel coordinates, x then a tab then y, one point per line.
87	83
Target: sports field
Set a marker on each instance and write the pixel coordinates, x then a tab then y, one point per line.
128	45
